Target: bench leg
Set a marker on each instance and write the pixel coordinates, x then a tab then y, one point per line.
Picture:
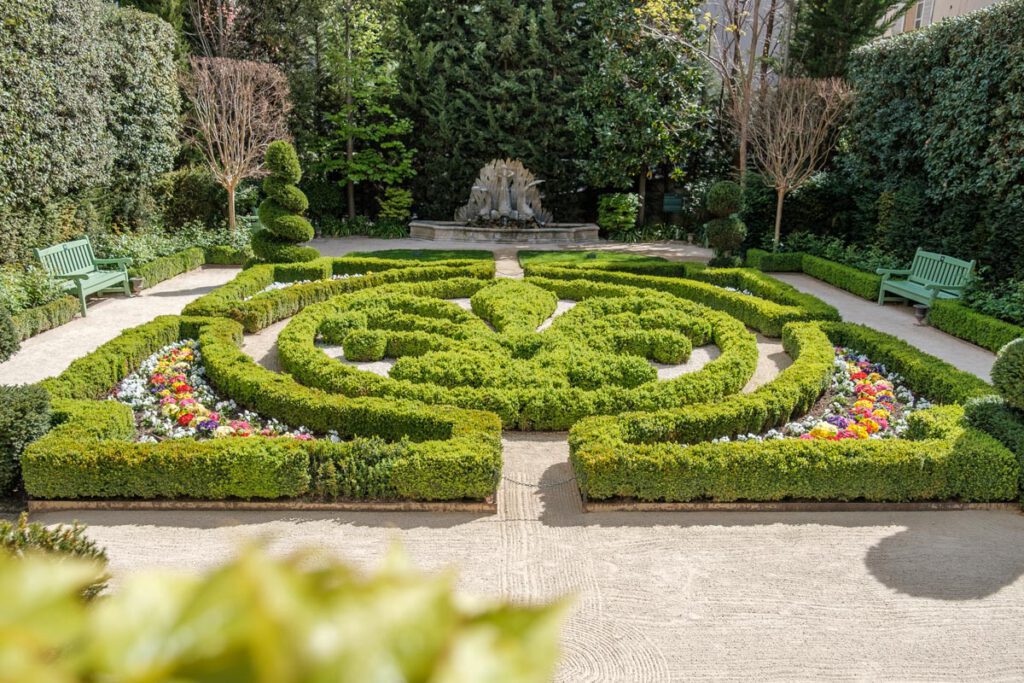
127	287
81	299
881	295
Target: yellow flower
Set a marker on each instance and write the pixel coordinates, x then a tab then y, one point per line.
859	430
824	430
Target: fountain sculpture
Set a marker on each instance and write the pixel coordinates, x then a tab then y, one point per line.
504	206
505	194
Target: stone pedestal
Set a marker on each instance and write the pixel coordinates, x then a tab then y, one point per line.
553	233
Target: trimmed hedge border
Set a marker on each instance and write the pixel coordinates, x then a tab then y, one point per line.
33	321
166	267
854	280
988	332
400	449
771	305
244	300
942	458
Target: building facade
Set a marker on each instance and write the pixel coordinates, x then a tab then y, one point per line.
927	12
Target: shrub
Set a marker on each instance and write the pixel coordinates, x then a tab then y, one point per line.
190	194
396	204
959	320
1001	299
666	456
617	213
92	452
1008	373
24	417
10	341
33	321
724	199
725	235
775	262
365	345
281	212
228	623
21	539
859	282
969	171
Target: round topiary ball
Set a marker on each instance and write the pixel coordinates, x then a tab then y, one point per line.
1008	373
726	234
724	198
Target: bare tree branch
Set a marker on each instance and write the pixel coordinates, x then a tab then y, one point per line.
794	128
237	108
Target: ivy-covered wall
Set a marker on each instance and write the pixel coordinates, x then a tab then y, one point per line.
936	137
88	114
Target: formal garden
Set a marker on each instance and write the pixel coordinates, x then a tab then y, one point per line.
349	257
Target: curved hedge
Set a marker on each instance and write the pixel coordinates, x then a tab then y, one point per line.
397	449
768	308
646	457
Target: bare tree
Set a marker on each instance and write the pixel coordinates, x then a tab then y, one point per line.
215	25
237	108
793	131
742	35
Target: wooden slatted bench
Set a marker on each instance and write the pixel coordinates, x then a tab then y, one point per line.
931	276
76	265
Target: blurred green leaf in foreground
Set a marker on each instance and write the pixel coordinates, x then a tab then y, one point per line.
263	620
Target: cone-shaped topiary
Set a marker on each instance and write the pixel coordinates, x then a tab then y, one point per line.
1008	373
281	212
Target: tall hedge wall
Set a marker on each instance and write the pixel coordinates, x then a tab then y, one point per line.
88	103
938	125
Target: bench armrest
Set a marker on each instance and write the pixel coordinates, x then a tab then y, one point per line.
112	261
887	272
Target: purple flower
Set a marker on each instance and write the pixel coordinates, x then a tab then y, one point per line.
838	421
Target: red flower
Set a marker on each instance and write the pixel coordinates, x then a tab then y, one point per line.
185	419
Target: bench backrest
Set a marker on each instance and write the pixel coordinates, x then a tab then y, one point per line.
69	258
930	268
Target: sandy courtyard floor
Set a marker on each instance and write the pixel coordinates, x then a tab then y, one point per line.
672	596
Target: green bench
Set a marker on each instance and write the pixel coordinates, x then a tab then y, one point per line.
931	276
75	264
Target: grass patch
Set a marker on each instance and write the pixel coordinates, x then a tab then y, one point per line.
426	255
584	257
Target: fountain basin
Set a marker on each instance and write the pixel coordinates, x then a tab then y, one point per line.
552	233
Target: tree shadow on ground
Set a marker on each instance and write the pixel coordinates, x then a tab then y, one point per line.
942	555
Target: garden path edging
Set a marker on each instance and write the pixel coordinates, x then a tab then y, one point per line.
489	507
796	506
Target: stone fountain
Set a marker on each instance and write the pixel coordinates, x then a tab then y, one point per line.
504	206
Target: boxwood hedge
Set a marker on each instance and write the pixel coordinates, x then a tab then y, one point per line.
447	452
647	456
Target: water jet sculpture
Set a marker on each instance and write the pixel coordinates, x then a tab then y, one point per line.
505	194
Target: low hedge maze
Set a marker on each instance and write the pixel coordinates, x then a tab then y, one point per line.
430	430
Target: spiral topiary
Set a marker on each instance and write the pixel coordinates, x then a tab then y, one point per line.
724	198
281	212
1008	373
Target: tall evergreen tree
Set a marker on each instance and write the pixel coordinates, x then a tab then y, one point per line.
827	31
499	78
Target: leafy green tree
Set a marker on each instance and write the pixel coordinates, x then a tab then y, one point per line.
641	106
827	31
364	143
263	620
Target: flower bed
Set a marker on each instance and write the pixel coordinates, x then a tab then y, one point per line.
172	399
864	400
